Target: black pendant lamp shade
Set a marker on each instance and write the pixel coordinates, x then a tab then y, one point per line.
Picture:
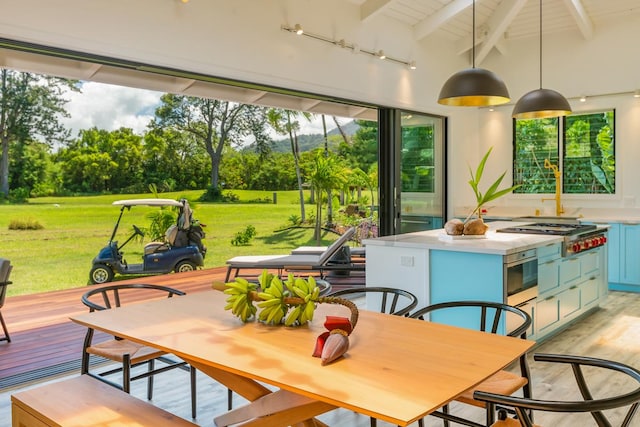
540	104
473	87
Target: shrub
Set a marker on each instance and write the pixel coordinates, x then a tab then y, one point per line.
25	224
19	195
244	237
212	194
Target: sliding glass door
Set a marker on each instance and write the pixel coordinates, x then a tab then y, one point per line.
421	168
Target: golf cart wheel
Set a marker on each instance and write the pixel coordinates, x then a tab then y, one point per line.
183	266
100	273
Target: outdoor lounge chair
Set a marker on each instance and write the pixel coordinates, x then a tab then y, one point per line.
320	263
5	271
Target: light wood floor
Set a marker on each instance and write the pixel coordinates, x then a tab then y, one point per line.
612	332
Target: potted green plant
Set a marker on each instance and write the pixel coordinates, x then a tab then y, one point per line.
477	226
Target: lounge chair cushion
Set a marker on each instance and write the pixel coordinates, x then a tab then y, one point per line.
299	261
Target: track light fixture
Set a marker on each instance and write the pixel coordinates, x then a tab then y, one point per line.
474	87
342	43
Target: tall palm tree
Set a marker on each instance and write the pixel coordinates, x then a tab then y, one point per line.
285	122
326	174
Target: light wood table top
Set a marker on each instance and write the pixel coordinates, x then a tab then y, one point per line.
397	369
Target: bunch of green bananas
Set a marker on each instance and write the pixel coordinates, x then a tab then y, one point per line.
239	301
272	307
292	301
308	292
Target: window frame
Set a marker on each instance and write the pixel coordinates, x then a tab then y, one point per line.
561	144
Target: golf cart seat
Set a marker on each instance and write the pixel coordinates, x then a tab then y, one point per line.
153	247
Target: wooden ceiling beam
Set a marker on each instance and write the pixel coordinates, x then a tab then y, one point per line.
371	8
439	18
497	25
580	15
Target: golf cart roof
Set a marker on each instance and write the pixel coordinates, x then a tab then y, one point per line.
148	202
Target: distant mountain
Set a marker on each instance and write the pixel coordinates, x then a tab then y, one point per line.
313	141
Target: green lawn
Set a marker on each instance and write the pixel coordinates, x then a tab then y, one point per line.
75	228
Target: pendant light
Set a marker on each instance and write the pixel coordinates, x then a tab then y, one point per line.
473	87
541	103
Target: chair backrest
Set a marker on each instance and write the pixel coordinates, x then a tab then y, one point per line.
336	245
107	297
589	404
485	315
5	272
394	301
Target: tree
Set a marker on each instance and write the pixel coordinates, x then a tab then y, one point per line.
100	160
213	123
31	106
285	122
363	150
326	174
172	161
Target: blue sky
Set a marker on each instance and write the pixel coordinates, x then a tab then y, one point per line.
111	107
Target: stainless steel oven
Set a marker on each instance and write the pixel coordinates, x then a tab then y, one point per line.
521	276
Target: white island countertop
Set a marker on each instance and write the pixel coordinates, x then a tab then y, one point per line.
496	243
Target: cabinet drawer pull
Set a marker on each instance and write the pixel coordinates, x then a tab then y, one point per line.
550	262
573	287
550	298
592	278
549	244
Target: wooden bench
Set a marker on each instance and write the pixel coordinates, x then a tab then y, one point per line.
86	402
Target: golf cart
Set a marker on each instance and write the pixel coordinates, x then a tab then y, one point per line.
181	251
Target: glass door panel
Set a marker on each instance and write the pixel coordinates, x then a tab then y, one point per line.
421	172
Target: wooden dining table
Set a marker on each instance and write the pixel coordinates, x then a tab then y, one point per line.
397	369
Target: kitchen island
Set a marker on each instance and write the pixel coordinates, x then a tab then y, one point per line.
438	268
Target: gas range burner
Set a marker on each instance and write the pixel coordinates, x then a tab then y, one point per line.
577	237
550	229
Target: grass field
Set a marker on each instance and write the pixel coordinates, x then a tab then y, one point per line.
75	228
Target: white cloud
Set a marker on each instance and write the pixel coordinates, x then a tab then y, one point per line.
110	107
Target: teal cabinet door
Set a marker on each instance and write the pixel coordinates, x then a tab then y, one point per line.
630	254
613	246
457	276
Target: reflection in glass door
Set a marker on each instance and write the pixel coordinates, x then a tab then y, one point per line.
421	172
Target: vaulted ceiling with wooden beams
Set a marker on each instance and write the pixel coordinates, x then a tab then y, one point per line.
497	21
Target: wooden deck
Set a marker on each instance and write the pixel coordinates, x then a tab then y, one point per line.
44	342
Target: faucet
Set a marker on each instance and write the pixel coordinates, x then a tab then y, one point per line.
557	175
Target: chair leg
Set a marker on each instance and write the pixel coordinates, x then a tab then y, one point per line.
445	410
192	374
126	373
373	422
229	399
151	367
4	328
491	415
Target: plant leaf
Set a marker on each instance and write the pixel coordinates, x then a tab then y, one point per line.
500	193
480	169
